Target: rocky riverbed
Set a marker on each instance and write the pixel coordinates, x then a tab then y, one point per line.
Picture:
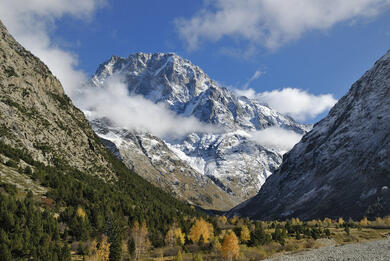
372	250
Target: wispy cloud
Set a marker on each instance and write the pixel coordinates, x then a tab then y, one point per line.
32	21
271	23
254	77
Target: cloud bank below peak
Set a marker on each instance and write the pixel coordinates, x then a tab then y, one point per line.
134	112
294	102
271	23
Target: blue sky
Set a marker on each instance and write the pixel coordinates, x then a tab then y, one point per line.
316	58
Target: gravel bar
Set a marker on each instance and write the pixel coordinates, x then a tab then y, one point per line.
370	251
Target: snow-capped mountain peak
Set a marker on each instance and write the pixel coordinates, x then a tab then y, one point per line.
231	158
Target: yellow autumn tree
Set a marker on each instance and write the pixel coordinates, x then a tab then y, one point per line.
295	221
222	220
379	221
201	228
99	252
233	220
327	222
341	221
139	233
170	237
103	251
179	256
387	221
216	244
245	235
174	237
80	212
180	236
364	222
230	248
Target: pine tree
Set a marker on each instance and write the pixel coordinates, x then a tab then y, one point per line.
65	253
131	246
5	253
114	233
347	230
116	250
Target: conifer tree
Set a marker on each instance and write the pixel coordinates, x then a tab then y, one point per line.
131	246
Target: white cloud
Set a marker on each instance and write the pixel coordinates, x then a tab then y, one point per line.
276	138
114	102
297	103
271	23
31	21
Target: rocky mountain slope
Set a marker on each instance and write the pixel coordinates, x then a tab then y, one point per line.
36	115
229	158
80	191
342	166
150	157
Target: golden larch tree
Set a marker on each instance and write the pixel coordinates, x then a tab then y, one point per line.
170	237
180	236
139	233
179	256
81	212
364	222
387	221
230	248
201	228
174	237
99	252
245	235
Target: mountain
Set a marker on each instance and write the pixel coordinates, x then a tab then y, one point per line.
150	157
341	167
48	148
38	117
229	160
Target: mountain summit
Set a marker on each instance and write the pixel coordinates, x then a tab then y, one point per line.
342	166
229	159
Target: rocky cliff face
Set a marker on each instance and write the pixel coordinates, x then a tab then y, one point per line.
342	166
228	159
37	116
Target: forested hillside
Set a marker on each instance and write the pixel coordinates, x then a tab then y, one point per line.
51	156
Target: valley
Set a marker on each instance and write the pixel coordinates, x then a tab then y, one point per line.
152	159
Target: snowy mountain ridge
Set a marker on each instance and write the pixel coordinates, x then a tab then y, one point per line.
231	159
